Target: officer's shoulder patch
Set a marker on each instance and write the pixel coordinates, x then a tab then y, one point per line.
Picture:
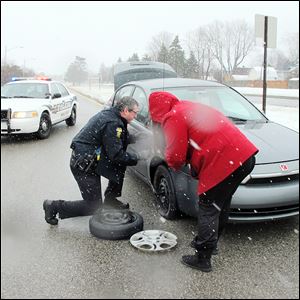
119	132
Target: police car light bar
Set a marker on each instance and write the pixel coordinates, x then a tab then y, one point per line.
31	78
43	78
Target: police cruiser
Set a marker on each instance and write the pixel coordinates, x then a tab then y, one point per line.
34	105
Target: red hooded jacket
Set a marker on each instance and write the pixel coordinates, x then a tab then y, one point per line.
200	135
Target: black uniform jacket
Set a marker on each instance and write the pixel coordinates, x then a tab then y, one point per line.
106	130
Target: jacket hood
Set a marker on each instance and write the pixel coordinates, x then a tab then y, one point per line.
160	103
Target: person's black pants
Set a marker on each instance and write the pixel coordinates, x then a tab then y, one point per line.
113	190
214	207
89	184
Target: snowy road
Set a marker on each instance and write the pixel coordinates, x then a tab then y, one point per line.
40	261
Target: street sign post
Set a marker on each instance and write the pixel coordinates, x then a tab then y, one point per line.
266	28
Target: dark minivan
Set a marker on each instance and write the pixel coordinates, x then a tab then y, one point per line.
139	70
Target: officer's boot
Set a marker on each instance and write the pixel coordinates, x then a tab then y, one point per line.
200	261
50	209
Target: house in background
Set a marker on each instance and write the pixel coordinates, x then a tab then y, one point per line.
241	74
257	73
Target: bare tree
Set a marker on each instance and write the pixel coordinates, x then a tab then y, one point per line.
230	43
8	71
292	41
198	42
154	47
105	73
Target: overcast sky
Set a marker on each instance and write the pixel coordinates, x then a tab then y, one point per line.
52	33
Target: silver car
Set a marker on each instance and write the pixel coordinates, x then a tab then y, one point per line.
270	192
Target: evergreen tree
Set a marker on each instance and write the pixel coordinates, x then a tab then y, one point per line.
176	57
146	57
134	57
163	55
192	67
77	71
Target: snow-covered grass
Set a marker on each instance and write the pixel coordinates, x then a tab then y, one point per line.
287	116
290	93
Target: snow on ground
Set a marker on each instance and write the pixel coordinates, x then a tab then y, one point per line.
285	93
100	93
287	116
289	93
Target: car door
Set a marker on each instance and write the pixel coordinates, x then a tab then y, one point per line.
141	126
122	92
66	102
55	103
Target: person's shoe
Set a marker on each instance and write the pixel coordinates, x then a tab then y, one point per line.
50	212
215	251
197	262
115	204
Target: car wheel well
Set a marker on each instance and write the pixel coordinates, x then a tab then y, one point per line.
46	112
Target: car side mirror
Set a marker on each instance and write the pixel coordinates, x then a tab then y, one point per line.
56	95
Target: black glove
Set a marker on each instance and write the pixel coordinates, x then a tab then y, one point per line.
143	155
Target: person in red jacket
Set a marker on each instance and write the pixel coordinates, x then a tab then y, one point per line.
220	157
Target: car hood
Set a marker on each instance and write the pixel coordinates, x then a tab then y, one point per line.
276	143
25	104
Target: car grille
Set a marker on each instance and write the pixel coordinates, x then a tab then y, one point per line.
239	212
272	180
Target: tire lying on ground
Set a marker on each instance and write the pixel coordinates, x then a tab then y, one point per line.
115	224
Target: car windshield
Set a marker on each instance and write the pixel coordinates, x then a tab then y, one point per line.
25	90
224	99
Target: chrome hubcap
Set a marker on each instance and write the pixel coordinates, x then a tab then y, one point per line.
153	240
44	125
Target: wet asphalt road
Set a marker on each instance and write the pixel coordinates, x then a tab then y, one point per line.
66	261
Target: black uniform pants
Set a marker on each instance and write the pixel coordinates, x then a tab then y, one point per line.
214	207
113	190
89	184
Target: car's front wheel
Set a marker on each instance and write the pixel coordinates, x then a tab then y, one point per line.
166	201
72	119
45	126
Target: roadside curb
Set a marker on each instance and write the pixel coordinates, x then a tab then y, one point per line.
88	96
272	96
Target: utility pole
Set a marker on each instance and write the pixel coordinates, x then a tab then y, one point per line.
221	57
266	28
265	65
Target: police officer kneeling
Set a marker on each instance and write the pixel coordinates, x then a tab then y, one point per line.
99	149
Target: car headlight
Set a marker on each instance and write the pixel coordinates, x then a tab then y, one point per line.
24	114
